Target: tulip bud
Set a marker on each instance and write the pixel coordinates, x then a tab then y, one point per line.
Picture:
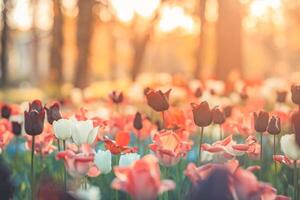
34	118
261	121
227	110
63	128
218	116
274	127
16	128
281	96
103	161
116	97
295	89
53	113
5	111
202	114
198	93
128	158
138	122
158	100
296	125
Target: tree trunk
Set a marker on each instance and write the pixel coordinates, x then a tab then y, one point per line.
56	61
4	42
84	35
35	43
113	51
229	39
199	54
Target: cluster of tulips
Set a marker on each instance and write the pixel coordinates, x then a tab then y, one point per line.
206	144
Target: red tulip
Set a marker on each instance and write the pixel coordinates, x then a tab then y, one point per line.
158	100
295	89
218	116
261	121
202	114
116	148
274	127
141	180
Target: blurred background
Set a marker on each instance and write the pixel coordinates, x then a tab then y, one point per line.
53	43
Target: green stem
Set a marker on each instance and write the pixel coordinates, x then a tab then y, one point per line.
200	144
295	179
221	132
261	146
32	167
275	164
65	171
163	119
58	144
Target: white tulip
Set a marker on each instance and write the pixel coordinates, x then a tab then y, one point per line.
290	147
103	161
84	132
63	128
127	159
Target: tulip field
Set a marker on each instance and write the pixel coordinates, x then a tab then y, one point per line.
177	141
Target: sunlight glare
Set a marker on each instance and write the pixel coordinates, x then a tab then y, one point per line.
260	7
21	15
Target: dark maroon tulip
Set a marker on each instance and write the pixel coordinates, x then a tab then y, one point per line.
244	95
261	121
198	93
296	125
16	128
116	97
146	90
295	89
202	114
281	96
34	118
212	92
218	116
53	113
138	122
227	110
158	100
5	111
274	127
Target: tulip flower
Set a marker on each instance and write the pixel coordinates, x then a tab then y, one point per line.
218	117
84	132
227	110
198	92
5	111
103	161
16	128
116	97
281	96
168	147
202	118
63	128
34	125
80	164
296	125
53	113
138	122
295	89
261	121
116	148
128	158
141	180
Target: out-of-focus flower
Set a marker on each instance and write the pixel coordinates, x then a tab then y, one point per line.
285	160
80	164
296	125
295	89
91	193
261	121
168	147
137	121
6	111
227	110
53	113
84	132
281	96
16	128
63	128
34	118
142	179
237	182
115	148
198	92
202	114
218	116
290	147
103	161
158	100
128	158
274	127
116	97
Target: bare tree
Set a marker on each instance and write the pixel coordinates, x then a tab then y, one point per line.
4	42
199	54
229	39
84	35
56	61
